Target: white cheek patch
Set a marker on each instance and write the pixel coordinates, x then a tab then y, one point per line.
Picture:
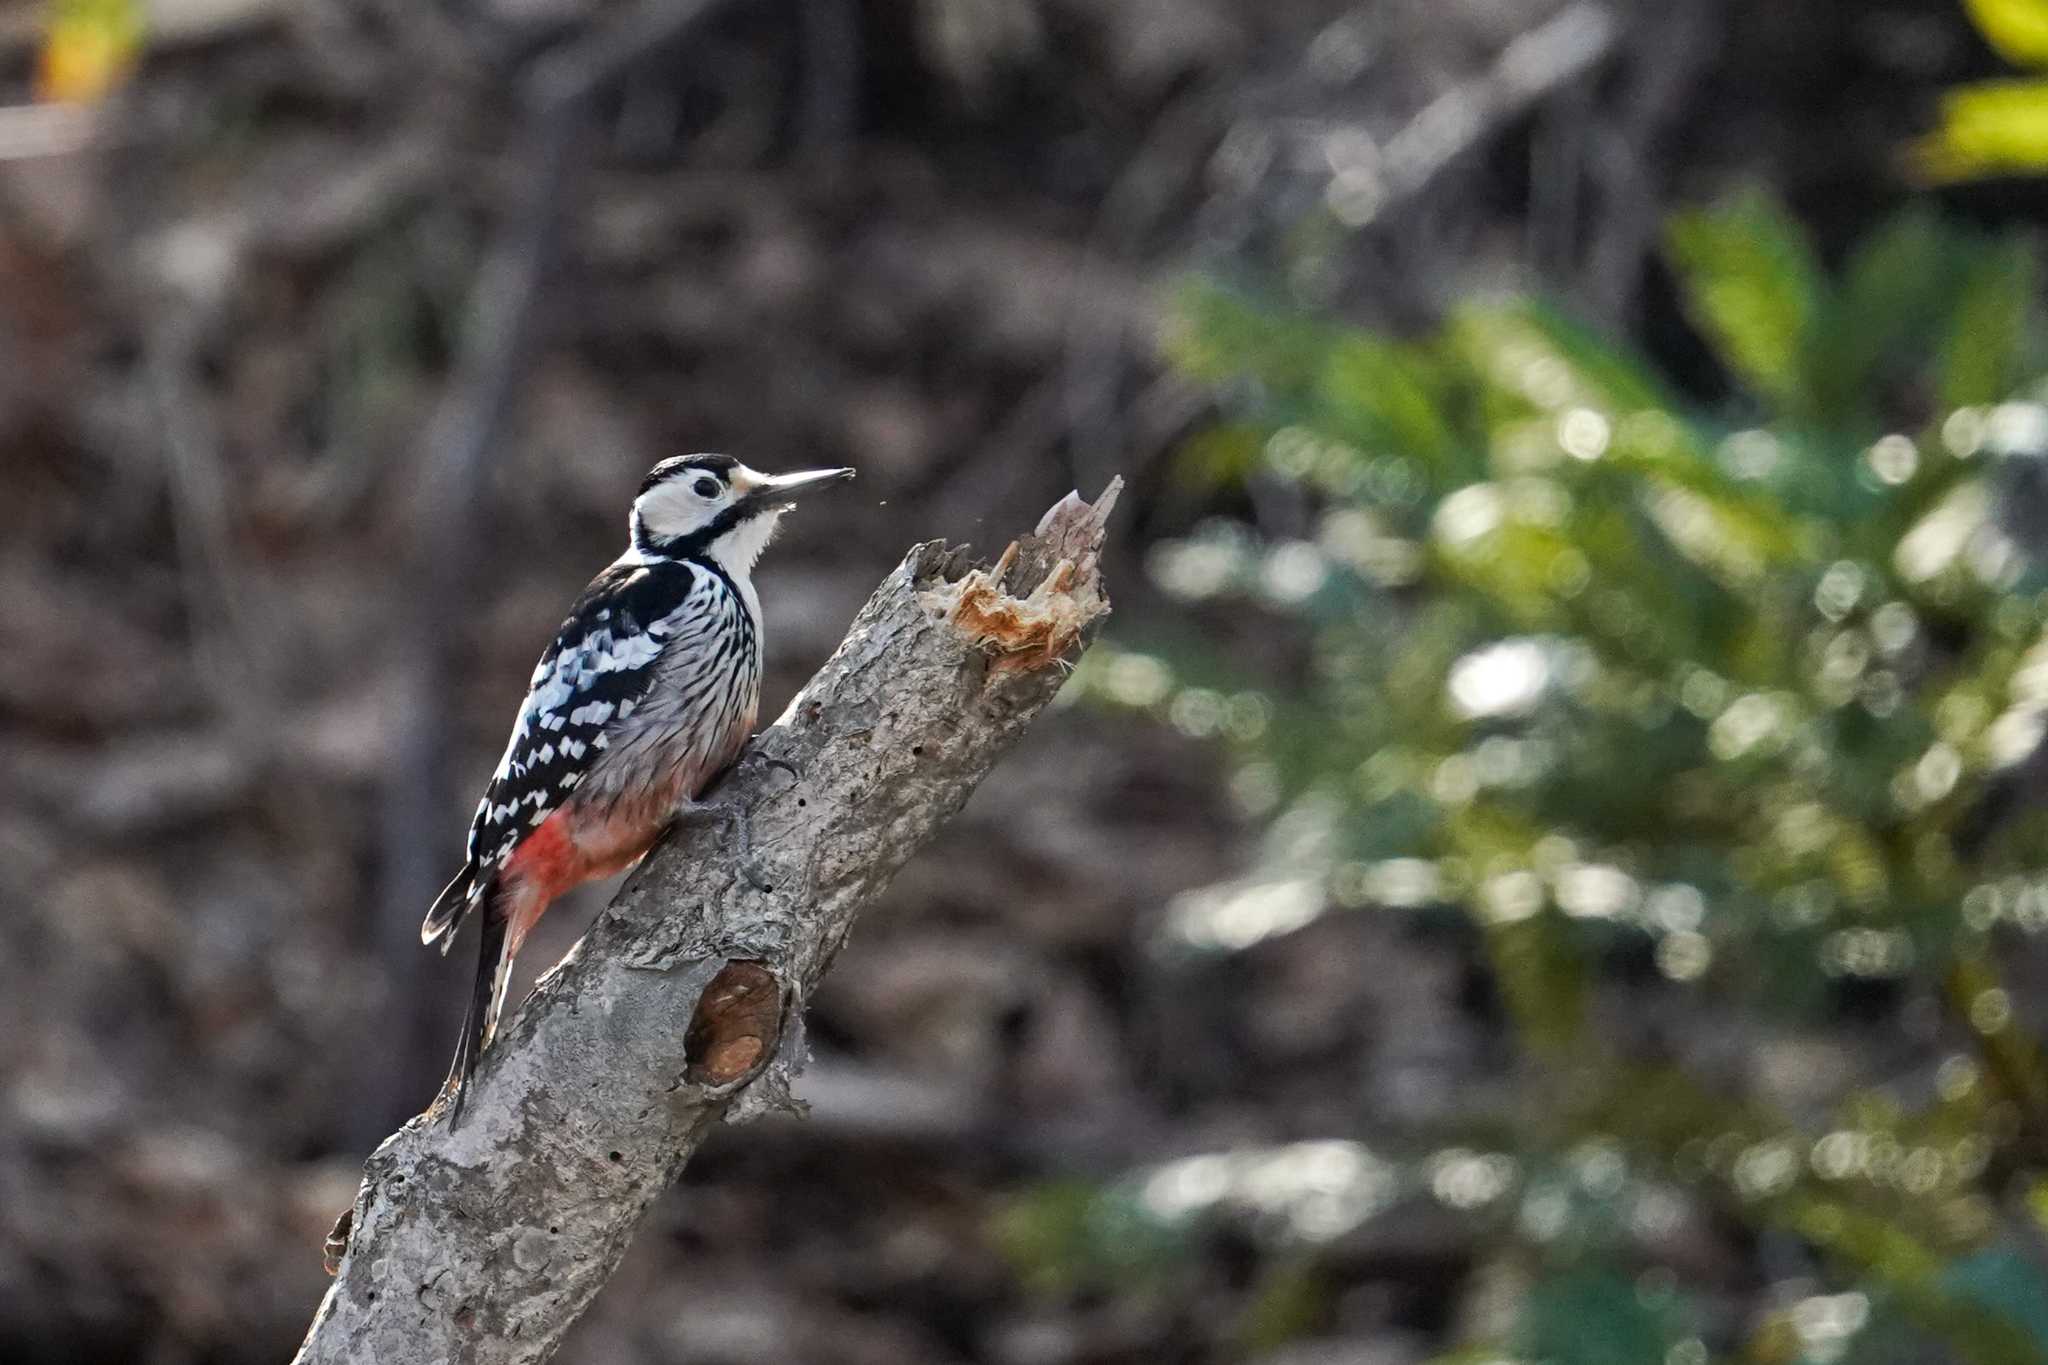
671	509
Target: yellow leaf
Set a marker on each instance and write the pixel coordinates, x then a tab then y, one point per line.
89	48
2037	1201
1991	128
2017	28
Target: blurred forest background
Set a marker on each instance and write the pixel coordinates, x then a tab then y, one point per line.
1547	862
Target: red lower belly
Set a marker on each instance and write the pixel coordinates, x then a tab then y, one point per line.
576	845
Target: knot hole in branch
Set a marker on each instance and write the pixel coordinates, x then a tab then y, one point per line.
736	1025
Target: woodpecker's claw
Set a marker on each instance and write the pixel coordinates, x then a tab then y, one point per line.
738	822
796	774
738	827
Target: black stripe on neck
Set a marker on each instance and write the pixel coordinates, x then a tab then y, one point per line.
659	552
697	544
717	570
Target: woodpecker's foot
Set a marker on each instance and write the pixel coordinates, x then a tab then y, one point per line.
738	829
770	761
722	783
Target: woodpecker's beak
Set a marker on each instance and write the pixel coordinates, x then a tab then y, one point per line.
760	491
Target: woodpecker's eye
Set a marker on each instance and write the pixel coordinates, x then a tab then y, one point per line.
705	488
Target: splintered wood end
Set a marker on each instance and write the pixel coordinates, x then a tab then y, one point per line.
1031	606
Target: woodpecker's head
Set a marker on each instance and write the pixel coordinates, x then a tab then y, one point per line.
712	505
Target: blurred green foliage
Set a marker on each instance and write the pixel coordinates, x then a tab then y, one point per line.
1996	127
1612	678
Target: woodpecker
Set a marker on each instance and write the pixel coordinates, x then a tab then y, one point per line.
647	694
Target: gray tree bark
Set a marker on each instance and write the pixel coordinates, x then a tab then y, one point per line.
683	1005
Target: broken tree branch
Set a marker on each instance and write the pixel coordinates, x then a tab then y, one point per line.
683	1005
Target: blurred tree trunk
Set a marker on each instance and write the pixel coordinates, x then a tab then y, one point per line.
683	1006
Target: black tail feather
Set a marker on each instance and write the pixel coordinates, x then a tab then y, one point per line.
486	999
449	908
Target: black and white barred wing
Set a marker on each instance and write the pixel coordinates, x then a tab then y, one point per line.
600	667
